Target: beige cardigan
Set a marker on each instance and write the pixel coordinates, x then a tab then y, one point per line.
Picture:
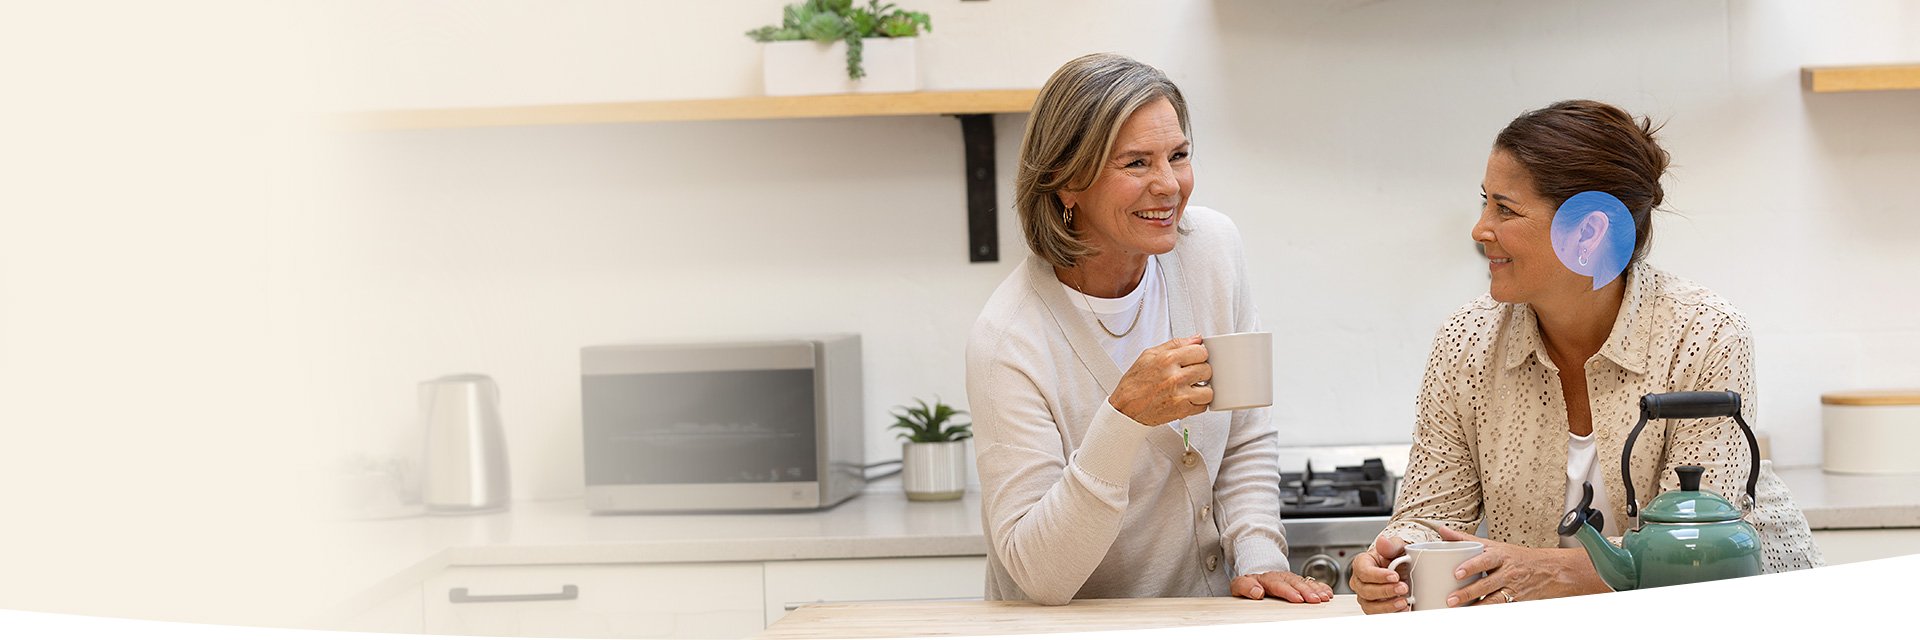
1080	501
1490	443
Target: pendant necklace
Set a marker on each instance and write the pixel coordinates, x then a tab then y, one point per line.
1188	456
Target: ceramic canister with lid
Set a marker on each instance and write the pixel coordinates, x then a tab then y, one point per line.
1871	432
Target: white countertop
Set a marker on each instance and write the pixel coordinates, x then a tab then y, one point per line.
1842	501
377	557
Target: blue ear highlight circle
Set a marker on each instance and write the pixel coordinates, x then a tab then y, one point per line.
1593	235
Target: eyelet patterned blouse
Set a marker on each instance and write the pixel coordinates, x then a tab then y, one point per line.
1490	441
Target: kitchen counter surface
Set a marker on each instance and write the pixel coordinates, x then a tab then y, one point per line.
1819	598
968	618
882	524
1841	501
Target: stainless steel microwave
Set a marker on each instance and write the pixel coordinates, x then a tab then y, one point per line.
723	426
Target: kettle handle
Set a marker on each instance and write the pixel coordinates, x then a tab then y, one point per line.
1689	404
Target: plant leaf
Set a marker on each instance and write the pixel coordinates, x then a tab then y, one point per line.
824	27
923	423
855	51
792	15
865	23
956	432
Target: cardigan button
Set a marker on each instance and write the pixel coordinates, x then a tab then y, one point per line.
1206	512
1213	563
1189	458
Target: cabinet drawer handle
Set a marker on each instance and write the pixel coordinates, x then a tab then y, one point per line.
796	605
567	592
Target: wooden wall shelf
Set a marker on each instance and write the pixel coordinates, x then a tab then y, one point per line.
975	110
754	108
1879	77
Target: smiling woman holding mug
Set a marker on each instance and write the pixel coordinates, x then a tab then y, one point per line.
1102	474
1535	386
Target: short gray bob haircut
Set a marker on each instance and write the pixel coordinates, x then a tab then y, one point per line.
1069	135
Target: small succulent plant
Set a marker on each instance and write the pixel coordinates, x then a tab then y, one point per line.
930	424
826	21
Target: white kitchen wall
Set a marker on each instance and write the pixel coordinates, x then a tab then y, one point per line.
1346	138
198	301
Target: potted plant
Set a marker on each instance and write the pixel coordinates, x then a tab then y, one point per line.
933	458
816	39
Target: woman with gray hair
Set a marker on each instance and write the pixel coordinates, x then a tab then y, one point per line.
1102	475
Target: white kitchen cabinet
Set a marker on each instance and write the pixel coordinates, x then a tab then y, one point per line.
790	584
700	600
1854	545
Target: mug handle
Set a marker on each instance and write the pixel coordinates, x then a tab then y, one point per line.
1405	557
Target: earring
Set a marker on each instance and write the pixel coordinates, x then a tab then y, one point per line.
1068	216
1583	260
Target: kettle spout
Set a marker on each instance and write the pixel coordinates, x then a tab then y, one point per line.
1614	564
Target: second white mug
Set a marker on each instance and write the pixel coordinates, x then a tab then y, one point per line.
1430	579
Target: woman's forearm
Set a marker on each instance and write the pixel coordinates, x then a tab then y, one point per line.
1051	524
1247	490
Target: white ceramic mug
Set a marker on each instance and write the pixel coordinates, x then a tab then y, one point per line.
1430	579
1242	370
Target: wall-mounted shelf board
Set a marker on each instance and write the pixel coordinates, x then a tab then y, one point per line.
975	110
1878	77
753	108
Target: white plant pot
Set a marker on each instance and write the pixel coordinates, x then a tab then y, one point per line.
805	67
934	470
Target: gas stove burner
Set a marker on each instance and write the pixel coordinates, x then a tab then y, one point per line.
1320	502
1364	490
1333	511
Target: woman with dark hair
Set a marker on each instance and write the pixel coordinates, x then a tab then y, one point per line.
1535	386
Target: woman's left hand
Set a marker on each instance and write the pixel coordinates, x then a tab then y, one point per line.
1284	584
1516	573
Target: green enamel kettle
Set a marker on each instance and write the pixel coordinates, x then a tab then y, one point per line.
1680	536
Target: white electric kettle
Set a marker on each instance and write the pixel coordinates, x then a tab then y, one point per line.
466	451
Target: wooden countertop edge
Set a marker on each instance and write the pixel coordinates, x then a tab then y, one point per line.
955	618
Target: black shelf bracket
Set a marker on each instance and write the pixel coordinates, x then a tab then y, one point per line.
983	235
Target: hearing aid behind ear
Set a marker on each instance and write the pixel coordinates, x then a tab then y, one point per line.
1593	235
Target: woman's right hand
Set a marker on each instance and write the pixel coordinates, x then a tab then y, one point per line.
1377	588
1159	389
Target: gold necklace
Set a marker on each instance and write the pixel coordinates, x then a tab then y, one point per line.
1137	309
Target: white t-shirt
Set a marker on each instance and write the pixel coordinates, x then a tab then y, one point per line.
1154	326
1583	466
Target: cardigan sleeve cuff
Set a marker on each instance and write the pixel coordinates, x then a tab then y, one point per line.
1111	443
1410	533
1258	554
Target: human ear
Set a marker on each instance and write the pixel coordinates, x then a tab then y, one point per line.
1590	234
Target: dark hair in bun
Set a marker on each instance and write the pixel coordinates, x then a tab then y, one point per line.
1583	145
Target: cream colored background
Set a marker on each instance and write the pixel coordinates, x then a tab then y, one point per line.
203	304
